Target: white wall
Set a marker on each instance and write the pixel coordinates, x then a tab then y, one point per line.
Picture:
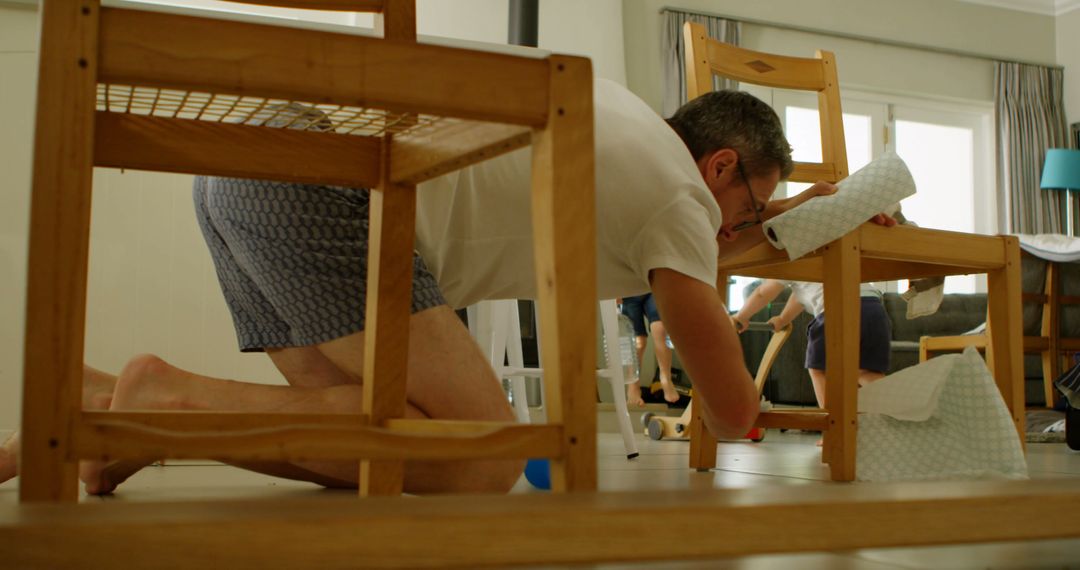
954	25
18	61
1068	54
152	286
592	29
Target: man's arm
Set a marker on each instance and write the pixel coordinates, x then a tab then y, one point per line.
709	348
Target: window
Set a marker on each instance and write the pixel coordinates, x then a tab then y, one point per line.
946	145
325	17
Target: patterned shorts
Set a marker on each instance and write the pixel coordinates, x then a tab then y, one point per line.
292	259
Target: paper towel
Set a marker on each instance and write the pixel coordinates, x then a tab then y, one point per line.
859	197
942	419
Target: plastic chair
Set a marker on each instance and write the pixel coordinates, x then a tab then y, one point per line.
496	325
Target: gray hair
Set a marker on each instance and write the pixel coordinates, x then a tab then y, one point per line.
739	121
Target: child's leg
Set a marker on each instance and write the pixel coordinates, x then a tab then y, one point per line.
817	376
633	389
868	376
663	359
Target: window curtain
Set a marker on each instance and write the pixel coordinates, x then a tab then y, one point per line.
1030	118
671	43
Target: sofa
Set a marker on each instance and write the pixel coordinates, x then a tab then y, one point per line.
789	383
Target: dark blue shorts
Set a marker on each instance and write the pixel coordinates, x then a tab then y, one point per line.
292	259
874	338
637	309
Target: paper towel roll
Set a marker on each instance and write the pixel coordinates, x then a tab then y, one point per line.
858	198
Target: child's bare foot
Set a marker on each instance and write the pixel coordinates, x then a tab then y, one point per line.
633	395
142	385
671	395
9	458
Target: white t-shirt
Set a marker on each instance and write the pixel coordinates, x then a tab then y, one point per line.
812	295
474	227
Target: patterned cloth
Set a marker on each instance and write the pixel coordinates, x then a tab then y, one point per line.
859	197
292	259
943	419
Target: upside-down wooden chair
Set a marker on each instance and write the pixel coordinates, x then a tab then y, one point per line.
869	253
658	427
1052	348
162	89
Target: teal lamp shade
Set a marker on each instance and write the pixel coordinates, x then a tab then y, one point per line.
1062	169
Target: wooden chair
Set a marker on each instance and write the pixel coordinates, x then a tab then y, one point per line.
869	253
1050	345
659	427
158	89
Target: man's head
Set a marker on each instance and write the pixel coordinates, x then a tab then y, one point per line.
740	149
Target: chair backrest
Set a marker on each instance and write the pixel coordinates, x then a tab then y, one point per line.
396	19
706	57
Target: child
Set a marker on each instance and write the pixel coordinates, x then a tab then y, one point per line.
874	338
638	308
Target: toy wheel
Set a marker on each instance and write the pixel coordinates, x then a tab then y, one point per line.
656	429
679	428
646	418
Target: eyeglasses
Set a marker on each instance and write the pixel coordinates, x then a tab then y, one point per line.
753	203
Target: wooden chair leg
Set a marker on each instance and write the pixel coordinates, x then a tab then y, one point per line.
842	325
386	339
1051	331
59	247
1005	331
564	217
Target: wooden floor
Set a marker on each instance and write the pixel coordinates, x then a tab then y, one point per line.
788	460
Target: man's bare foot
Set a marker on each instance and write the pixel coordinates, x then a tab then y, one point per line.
144	384
97	394
633	395
98	389
9	458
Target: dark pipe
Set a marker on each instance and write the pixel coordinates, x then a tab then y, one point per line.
524	20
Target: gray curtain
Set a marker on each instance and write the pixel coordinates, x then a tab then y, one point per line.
1030	118
671	42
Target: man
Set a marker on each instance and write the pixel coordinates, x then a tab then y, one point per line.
671	198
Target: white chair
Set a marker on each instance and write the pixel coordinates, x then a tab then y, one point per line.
496	326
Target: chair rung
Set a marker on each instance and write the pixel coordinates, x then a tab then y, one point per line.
295	437
813	420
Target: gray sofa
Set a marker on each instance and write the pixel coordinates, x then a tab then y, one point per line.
789	382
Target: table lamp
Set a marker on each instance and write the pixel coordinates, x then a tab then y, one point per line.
1061	171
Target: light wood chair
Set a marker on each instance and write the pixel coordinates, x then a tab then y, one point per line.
870	253
659	427
161	89
1052	347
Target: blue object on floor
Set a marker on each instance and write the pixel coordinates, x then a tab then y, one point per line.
538	472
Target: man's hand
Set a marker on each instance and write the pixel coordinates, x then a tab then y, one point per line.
777	207
884	220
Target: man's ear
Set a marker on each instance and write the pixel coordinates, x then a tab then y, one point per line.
720	165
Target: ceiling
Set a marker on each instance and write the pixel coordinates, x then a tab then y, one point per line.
1046	7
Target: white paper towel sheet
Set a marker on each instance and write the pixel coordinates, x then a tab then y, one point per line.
942	419
859	197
